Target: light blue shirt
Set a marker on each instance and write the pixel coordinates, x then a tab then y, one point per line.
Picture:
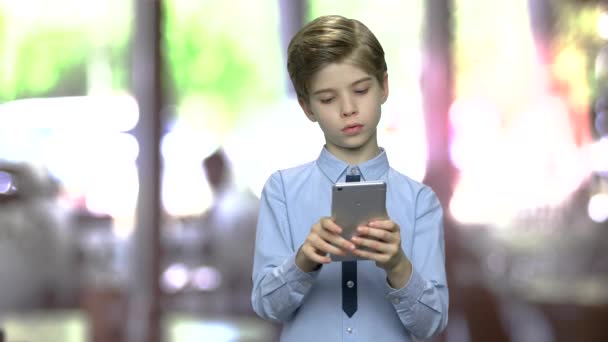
309	304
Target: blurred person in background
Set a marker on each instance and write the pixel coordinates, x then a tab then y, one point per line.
230	224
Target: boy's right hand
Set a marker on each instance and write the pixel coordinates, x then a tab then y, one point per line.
324	238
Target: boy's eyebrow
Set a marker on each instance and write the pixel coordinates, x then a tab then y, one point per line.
364	79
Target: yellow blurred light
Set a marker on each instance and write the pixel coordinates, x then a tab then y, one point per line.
570	68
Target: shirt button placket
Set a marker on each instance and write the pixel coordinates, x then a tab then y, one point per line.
350	332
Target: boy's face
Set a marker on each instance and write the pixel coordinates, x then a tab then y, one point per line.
346	102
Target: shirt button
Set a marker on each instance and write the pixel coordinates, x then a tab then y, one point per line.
350	284
349	330
396	300
354	171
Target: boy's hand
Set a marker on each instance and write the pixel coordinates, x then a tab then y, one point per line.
324	238
382	239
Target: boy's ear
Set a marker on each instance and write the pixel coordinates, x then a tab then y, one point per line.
385	88
306	108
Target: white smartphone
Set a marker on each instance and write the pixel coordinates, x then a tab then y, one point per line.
354	204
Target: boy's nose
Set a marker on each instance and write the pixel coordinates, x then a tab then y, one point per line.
348	108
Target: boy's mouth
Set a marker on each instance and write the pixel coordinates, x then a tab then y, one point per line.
352	129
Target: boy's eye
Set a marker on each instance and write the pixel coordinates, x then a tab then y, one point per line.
361	91
327	100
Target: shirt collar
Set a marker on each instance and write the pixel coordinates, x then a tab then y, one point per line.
336	170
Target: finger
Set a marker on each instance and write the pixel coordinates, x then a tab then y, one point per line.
325	246
328	224
375	245
332	235
378	234
311	254
340	241
371	255
384	224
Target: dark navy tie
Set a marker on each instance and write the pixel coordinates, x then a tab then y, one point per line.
349	275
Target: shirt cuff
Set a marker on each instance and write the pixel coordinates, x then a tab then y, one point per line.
296	278
407	297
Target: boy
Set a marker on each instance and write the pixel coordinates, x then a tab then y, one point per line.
338	70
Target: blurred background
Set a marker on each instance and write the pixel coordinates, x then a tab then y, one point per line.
136	136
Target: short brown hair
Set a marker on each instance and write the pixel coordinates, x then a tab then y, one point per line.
332	39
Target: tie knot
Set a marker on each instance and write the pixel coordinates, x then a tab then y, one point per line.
353	178
353	175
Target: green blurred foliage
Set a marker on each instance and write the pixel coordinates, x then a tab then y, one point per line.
577	25
228	66
225	54
41	59
46	47
200	62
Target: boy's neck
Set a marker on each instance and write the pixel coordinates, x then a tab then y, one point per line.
355	156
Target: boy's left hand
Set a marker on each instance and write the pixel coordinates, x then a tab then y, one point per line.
382	242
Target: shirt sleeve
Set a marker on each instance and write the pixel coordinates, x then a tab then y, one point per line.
279	285
422	304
